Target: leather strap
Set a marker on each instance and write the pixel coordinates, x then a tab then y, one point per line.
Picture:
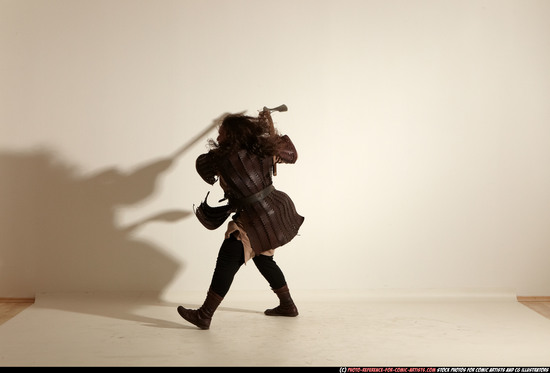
242	202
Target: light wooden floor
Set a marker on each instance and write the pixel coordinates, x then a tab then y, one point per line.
540	306
11	307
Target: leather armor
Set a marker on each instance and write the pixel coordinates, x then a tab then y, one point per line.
268	215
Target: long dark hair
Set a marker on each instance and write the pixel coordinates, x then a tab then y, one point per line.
254	134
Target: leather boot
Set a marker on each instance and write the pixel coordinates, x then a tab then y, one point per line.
286	306
202	316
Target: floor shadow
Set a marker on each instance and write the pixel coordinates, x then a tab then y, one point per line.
58	231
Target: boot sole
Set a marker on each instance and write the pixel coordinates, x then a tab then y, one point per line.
281	314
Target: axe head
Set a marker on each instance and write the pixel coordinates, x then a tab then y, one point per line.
278	108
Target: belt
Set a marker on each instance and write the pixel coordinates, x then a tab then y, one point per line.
242	202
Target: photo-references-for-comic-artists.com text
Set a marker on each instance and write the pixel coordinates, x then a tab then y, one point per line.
444	370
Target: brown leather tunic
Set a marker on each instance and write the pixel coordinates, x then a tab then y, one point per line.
268	217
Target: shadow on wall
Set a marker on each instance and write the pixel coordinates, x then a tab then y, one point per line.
58	233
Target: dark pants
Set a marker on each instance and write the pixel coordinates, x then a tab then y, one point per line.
231	258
